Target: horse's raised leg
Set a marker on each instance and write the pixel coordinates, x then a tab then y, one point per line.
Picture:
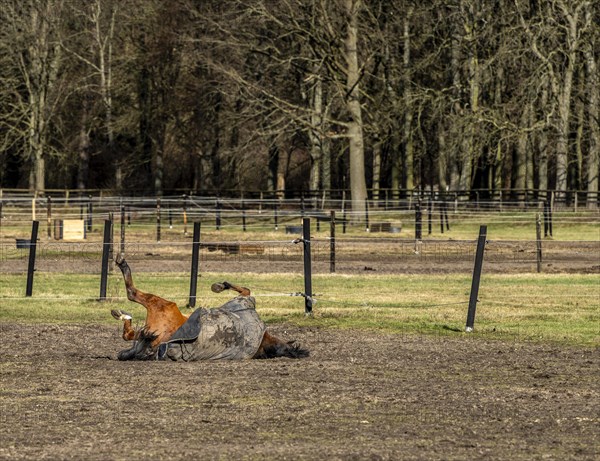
163	317
129	334
219	287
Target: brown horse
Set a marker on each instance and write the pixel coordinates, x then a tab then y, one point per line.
166	324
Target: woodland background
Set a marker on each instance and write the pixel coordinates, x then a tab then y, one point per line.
152	96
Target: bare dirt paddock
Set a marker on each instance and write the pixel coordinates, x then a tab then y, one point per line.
360	395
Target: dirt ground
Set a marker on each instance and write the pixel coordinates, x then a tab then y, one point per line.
360	395
397	257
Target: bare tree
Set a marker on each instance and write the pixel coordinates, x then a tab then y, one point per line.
560	26
31	44
593	103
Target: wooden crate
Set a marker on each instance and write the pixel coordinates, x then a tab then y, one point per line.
235	248
380	227
69	229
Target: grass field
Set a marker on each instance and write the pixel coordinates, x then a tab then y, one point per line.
562	308
507	225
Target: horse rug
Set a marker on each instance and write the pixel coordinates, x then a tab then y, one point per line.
233	331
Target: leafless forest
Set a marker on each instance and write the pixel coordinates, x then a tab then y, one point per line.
153	96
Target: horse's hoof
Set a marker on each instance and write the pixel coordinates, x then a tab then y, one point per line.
120	315
217	287
119	259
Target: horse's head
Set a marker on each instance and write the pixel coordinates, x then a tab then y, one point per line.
142	348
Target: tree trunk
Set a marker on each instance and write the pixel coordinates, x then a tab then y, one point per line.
358	186
455	152
376	167
468	154
442	158
576	170
562	91
84	148
396	180
315	135
326	160
520	163
273	166
593	110
105	50
39	66
543	145
408	116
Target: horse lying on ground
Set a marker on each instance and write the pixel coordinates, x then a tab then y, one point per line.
232	331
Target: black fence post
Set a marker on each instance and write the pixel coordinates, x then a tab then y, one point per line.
343	212
32	250
112	235
90	212
106	241
122	247
276	216
545	211
158	219
243	216
441	207
218	215
550	218
170	216
418	222
49	218
538	240
429	215
185	215
332	242
308	302
367	214
446	215
476	278
195	261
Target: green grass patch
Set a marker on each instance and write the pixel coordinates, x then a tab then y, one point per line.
562	308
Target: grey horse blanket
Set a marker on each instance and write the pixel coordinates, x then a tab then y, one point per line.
233	331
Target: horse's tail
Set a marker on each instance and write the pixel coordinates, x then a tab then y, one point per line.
272	347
